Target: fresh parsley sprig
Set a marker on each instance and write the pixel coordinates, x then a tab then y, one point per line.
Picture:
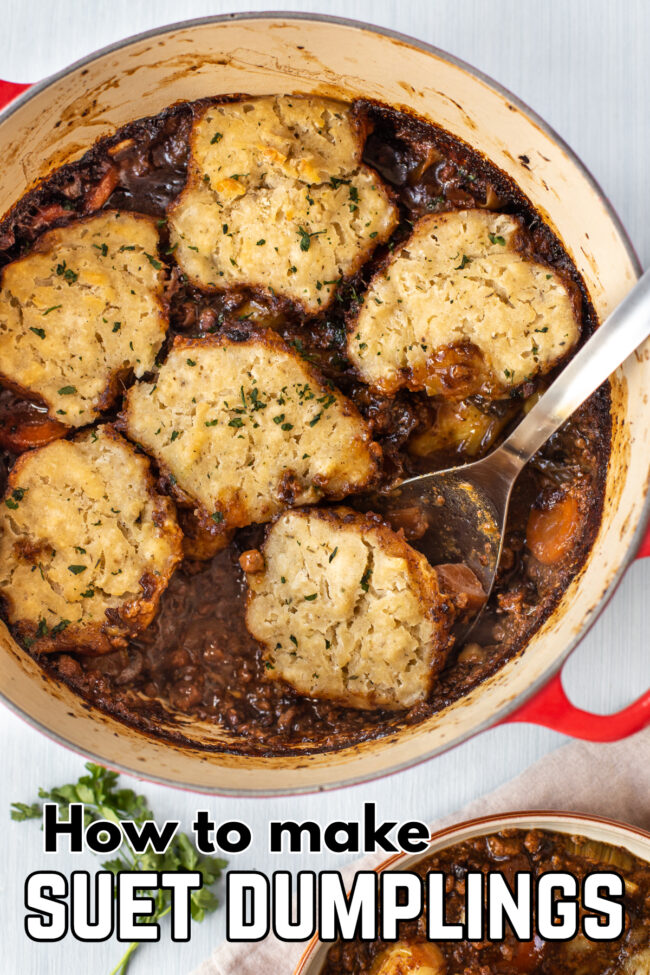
102	799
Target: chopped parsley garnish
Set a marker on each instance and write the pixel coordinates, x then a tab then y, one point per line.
67	391
261	242
103	248
77	569
191	362
175	435
256	402
117	326
38	331
66	273
236	422
365	580
60	627
217	517
300	348
287	426
153	261
52	308
17	496
217	137
311	598
333	555
305	237
497	239
465	260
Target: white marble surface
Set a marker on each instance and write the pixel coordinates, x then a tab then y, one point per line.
582	64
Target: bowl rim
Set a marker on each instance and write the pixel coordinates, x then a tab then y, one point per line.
511	706
492	821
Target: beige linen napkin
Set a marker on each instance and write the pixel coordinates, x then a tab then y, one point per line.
603	780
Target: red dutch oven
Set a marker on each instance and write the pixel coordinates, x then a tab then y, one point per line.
55	121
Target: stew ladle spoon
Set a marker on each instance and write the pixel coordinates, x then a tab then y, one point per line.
465	508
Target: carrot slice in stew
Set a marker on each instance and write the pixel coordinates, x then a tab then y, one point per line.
551	531
20	434
527	955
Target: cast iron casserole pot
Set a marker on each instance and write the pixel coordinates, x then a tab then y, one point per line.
54	122
596	828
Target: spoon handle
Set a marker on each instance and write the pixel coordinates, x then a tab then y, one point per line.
610	345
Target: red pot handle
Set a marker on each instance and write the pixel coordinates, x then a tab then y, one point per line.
9	90
550	707
644	547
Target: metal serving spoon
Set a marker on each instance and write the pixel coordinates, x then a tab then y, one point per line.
465	508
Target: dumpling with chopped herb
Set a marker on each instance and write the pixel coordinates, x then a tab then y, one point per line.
279	199
243	427
410	958
346	610
87	545
81	312
463	307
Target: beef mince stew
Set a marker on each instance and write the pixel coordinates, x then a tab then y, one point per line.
509	852
196	660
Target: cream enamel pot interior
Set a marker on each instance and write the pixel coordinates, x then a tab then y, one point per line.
57	120
636	841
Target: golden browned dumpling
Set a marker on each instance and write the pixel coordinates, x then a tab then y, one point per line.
86	544
246	428
459	308
82	311
278	198
347	610
422	958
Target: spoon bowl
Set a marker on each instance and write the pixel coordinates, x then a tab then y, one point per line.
455	516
